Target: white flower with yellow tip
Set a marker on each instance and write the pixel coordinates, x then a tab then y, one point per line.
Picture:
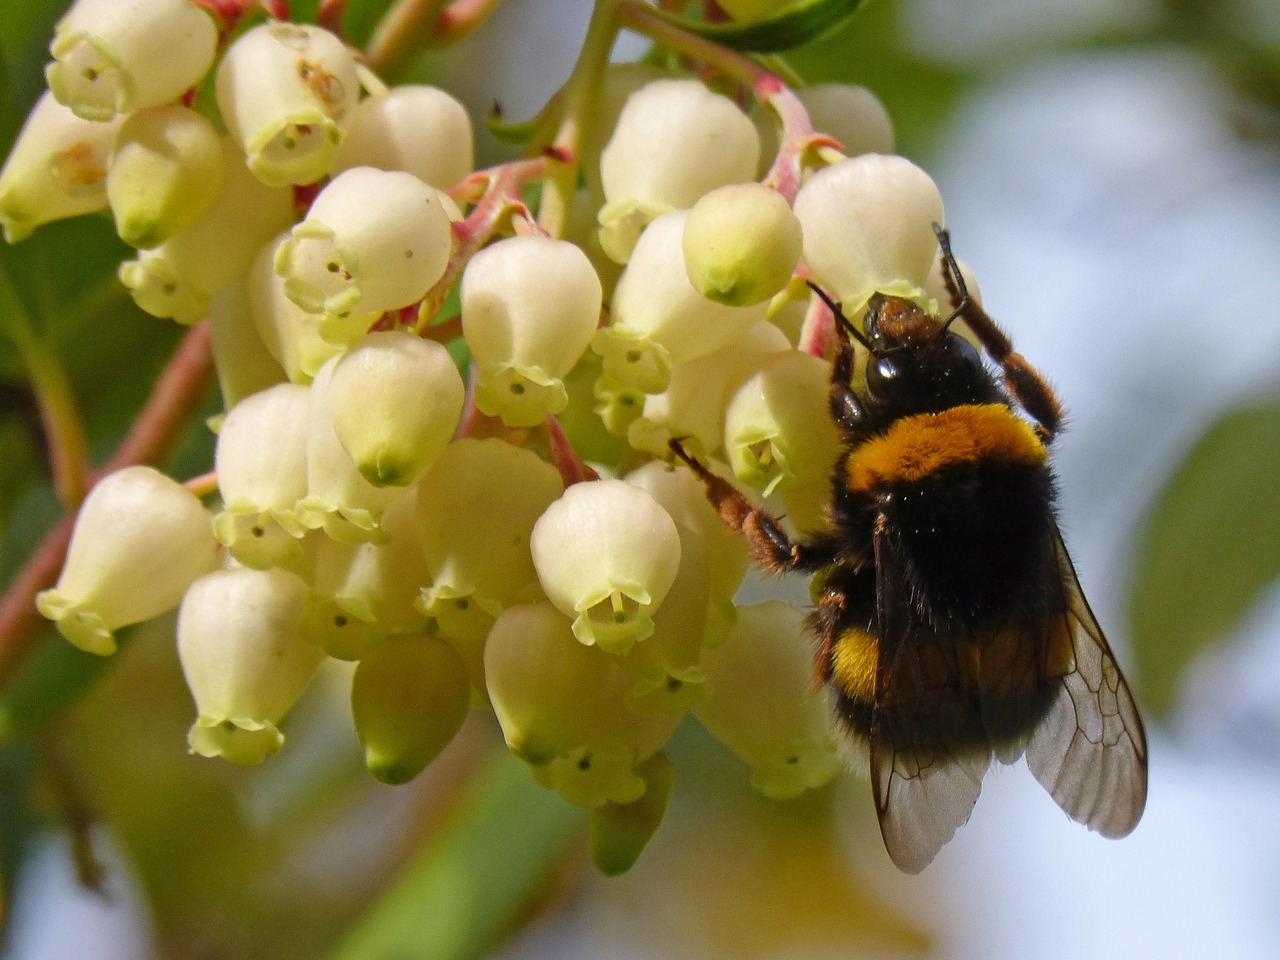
56	169
283	90
115	56
674	141
763	705
868	226
530	306
244	660
606	554
562	708
140	539
373	240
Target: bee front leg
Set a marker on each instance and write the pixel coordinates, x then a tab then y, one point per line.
769	545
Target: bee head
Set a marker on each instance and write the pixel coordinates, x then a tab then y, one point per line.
915	357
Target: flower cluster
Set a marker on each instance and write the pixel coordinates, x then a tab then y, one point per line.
518	543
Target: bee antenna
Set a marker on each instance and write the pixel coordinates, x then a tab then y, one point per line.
951	276
847	328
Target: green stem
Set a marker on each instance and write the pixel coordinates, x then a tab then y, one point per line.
577	106
59	414
411	26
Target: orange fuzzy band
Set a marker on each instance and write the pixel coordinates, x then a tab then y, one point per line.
917	446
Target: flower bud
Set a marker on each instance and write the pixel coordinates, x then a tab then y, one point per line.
409	698
779	435
476	508
261	461
741	244
176	278
607	554
243	659
621	831
56	169
562	708
339	500
113	57
241	359
394	401
166	171
763	705
868	226
658	318
140	540
415	128
675	140
530	306
373	240
283	89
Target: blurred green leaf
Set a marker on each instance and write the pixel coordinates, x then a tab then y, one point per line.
482	873
1208	547
794	26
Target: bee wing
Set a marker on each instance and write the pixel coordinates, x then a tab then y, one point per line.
924	791
1090	751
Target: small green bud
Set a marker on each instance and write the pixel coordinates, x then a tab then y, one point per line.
394	400
741	244
409	697
621	831
166	171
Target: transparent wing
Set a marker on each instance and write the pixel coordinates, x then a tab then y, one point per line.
925	789
1090	751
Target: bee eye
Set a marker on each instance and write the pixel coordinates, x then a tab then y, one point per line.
885	372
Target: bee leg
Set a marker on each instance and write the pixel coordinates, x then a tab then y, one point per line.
846	409
769	545
1028	387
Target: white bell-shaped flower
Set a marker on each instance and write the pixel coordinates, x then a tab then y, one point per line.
177	278
419	129
244	660
372	240
56	169
606	554
394	401
658	319
240	357
868	226
115	56
339	500
763	704
674	141
530	305
409	697
851	114
283	90
477	505
562	708
363	591
300	341
779	434
140	540
741	244
261	461
166	171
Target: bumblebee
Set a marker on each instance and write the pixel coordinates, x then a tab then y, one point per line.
951	626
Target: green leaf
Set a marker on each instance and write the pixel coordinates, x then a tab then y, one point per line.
1208	547
463	892
794	26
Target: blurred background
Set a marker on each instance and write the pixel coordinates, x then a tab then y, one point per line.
1111	170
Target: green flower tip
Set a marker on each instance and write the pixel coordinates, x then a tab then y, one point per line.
621	831
236	740
83	628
